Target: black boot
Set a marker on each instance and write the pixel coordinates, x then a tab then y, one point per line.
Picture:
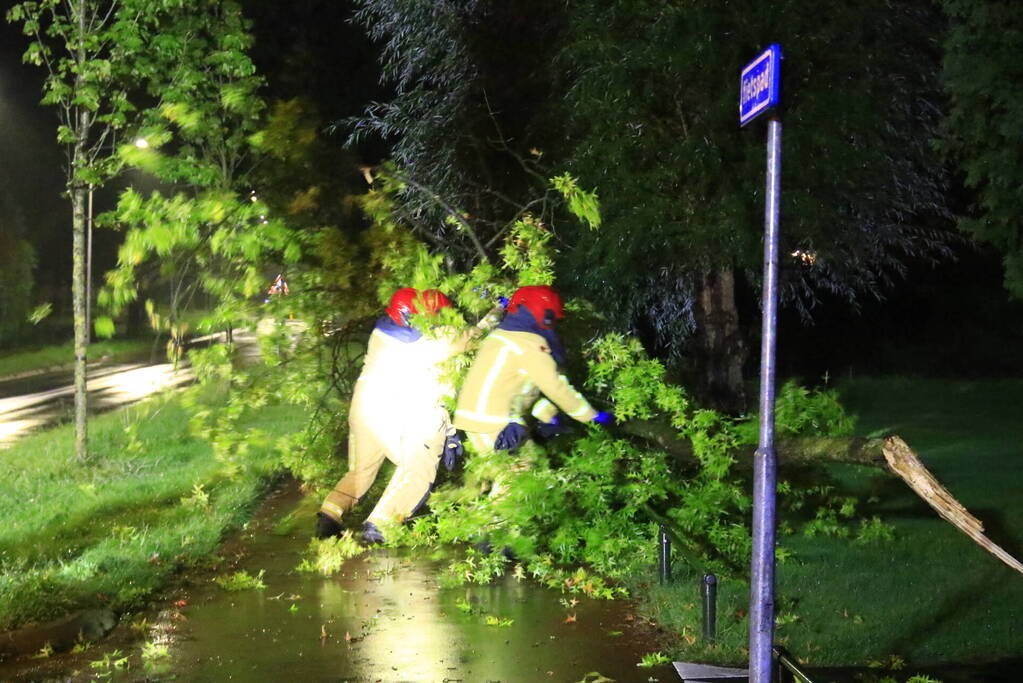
326	526
485	548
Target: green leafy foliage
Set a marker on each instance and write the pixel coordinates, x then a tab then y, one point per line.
628	97
653	659
580	515
800	411
981	132
327	556
211	235
241	581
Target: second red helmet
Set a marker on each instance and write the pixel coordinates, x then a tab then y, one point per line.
434	300
538	299
409	300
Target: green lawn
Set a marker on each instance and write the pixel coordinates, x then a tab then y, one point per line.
933	595
152	499
21	360
930	596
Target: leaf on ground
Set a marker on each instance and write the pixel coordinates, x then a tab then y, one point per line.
595	677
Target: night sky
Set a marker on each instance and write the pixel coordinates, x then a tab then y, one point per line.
32	171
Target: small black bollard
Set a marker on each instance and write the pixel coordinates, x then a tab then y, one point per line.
665	556
709	589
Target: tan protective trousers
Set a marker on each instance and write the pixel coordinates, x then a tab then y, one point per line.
483	442
415	451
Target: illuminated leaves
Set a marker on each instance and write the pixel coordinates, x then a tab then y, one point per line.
241	580
583	204
104	327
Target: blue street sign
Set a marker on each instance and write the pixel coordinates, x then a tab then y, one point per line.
758	87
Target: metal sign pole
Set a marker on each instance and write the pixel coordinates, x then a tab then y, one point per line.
759	93
765	466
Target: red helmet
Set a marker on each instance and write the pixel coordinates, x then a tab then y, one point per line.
539	299
408	300
434	300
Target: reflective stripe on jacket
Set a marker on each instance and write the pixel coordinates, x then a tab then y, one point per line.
508	365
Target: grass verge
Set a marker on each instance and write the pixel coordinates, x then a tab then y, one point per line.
151	500
18	361
931	595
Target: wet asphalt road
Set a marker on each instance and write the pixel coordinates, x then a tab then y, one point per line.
38	400
45	399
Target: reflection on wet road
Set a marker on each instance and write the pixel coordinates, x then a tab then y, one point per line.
384	618
32	403
44	399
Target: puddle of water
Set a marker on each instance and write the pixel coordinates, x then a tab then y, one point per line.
384	618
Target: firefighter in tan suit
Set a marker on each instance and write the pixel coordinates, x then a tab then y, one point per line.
397	413
520	359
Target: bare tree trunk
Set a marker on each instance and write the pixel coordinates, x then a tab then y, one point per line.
720	352
78	193
81	333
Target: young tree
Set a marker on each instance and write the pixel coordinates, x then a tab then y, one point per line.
88	50
982	75
209	232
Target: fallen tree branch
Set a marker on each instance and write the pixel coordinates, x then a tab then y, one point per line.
904	462
891	454
855	450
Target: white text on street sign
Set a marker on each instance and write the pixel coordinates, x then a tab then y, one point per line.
758	86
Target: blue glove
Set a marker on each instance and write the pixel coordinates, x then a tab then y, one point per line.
453	451
604	419
548	430
511	437
503	300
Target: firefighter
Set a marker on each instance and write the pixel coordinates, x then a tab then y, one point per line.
397	413
520	359
279	286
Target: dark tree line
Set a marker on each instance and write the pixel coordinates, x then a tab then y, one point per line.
638	100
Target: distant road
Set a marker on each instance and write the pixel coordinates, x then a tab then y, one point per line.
31	402
109	387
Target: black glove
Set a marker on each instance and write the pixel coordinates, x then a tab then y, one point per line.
511	437
453	451
549	430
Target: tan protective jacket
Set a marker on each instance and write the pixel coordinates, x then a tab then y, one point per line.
508	366
402	384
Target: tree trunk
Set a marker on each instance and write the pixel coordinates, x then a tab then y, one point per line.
719	350
798	451
78	292
81	333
